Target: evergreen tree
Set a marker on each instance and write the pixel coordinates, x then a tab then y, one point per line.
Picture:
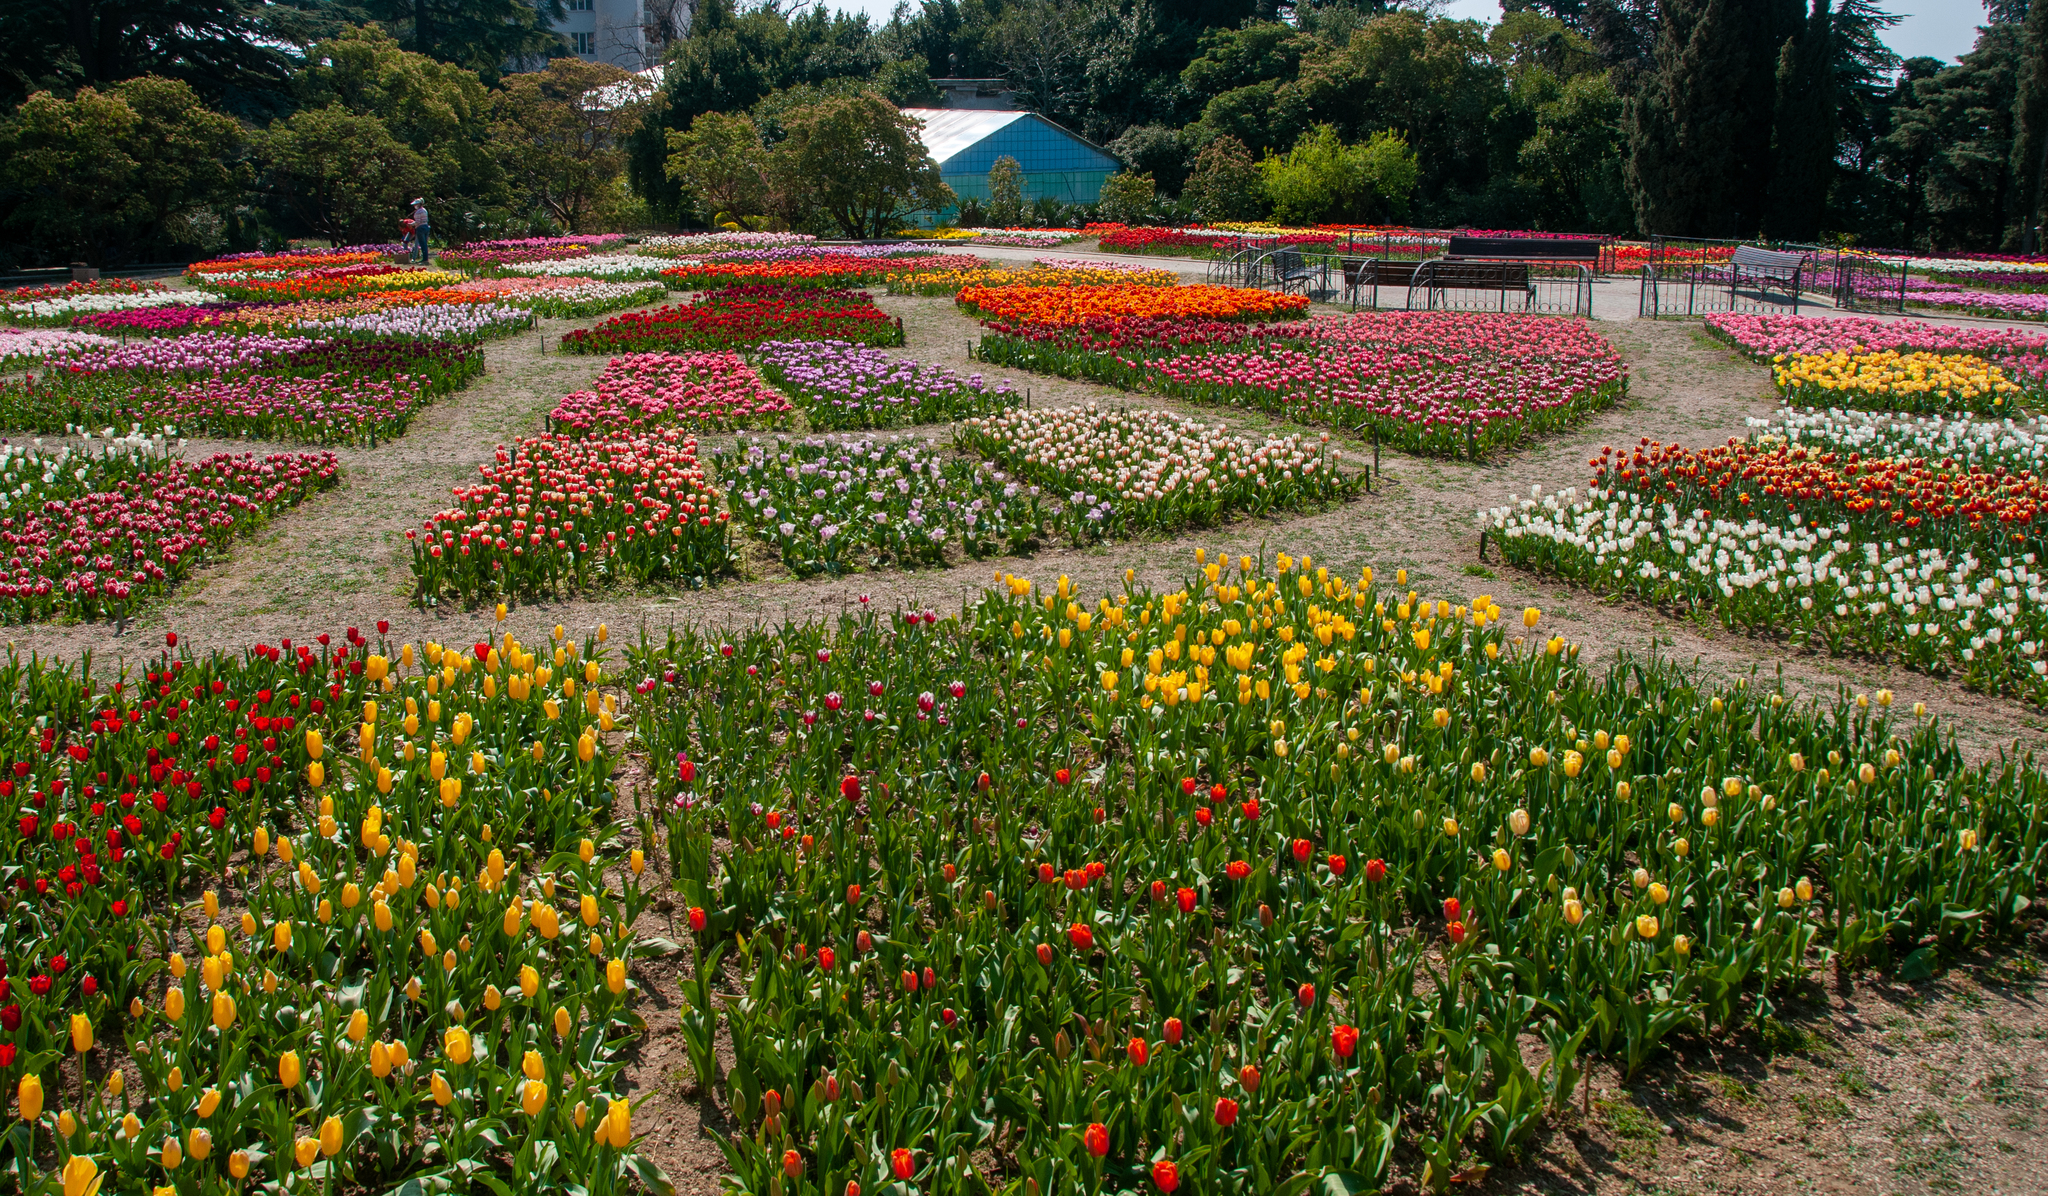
2030	132
1699	126
1803	139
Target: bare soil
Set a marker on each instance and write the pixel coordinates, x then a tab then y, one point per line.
1867	1087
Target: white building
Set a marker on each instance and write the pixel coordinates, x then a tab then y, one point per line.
625	33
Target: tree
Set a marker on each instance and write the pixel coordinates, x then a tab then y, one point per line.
481	35
439	111
1699	125
1224	184
719	160
2030	130
342	174
70	165
860	163
1006	193
1323	180
1155	150
1126	198
188	158
1574	157
1803	133
559	140
1955	135
232	52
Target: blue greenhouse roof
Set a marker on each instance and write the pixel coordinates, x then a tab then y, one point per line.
968	141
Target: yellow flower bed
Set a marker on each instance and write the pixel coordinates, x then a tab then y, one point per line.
1893	381
950	282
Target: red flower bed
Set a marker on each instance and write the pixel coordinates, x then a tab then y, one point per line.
742	317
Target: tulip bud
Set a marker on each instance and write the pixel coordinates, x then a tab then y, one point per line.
30	1094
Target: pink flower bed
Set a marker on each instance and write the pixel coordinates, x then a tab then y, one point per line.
95	553
1763	337
706	390
1444	383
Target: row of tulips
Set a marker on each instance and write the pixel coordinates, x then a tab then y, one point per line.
553	514
807	268
430	976
742	317
92	532
703	391
841	386
1261	883
1832	531
1915	383
929	281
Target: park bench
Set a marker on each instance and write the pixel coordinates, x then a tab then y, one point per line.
1766	267
1291	270
1363	272
1578	250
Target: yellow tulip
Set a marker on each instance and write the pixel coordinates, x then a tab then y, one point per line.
174	1004
238	1164
172	1154
533	1097
209	1102
588	907
199	1143
30	1094
1646	926
455	1044
529	981
223	1011
562	1022
380	1060
330	1137
81	1176
443	1094
305	1150
288	1070
615	976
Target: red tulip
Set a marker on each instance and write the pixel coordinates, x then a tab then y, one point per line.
1188	786
931	980
1158	891
1173	1031
1082	937
1218	793
910	982
864	942
1305	996
1344	1040
1237	870
1375	870
1186	897
853	894
849	788
1451	908
1203	817
1457	932
1337	865
170	639
1249	1077
825	958
792	1164
1166	1176
1139	1051
1302	850
1045	955
902	1162
1061	777
1226	1112
697	919
1096	1139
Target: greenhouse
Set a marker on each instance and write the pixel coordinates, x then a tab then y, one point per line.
966	143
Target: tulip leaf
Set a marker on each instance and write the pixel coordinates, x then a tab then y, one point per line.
648	1172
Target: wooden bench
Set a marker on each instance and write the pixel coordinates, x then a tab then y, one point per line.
1579	250
1443	274
1362	272
1289	269
1766	266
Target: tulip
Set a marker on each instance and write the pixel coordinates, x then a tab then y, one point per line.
223	1011
81	1176
305	1151
174	1004
208	1102
1646	926
902	1163
1344	1040
455	1045
1166	1176
288	1069
1173	1031
30	1095
199	1144
1226	1112
1096	1139
1138	1051
533	1097
443	1094
615	976
81	1033
173	1154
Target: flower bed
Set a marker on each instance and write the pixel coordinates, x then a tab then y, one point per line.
1071	306
1838	531
807	268
293	260
61	309
468	322
843	386
375	850
700	243
1765	337
556	514
742	317
1039	274
345	388
1125	472
1919	383
615	267
1203	242
836	505
21	345
337	282
1246	826
704	391
1442	383
92	534
481	255
164	320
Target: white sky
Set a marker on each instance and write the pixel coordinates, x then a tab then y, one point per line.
1941	29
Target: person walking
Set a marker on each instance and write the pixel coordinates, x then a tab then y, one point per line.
419	230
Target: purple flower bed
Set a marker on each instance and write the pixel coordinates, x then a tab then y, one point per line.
841	385
154	320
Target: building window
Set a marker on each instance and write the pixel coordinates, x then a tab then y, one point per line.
579	43
581	5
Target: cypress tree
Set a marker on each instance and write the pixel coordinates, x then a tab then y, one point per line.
1803	140
1699	126
2030	133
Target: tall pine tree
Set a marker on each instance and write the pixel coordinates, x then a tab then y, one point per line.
2030	134
1803	141
1700	125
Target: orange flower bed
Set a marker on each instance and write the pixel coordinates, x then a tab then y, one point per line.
285	261
1067	306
